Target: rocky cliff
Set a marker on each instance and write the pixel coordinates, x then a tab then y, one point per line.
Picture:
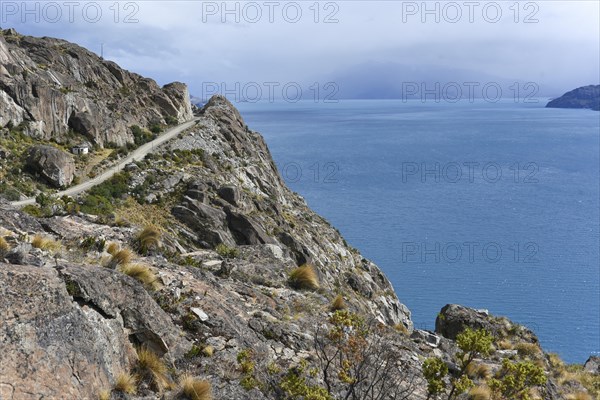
197	270
584	97
50	87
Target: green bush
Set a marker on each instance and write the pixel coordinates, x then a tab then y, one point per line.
434	371
171	120
514	380
227	252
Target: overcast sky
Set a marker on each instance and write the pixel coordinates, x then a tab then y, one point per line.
552	43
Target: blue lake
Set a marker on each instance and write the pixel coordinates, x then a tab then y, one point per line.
492	206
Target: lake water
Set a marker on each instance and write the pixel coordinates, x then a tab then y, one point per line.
492	206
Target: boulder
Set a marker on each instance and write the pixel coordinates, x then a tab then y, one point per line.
245	230
454	318
231	194
54	165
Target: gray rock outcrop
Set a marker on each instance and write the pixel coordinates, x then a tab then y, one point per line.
50	86
54	165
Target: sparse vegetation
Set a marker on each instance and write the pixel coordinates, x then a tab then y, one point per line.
530	350
45	243
195	389
478	371
113	248
227	252
208	351
579	396
480	393
304	277
104	395
142	273
4	246
152	368
121	258
148	239
515	380
338	303
126	383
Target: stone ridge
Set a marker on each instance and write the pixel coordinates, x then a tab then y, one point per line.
49	87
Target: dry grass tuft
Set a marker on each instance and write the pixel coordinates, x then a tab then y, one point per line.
113	248
195	389
148	239
153	368
579	396
304	277
45	243
104	395
4	246
143	274
555	361
121	257
208	351
480	393
338	303
530	350
479	371
505	345
126	383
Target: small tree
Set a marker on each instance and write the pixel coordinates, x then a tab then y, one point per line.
472	344
358	360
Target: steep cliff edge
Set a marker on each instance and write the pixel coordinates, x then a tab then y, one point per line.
201	256
584	97
51	88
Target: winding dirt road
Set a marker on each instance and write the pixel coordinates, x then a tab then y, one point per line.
137	154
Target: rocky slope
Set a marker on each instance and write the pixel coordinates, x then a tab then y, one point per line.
584	97
192	254
51	88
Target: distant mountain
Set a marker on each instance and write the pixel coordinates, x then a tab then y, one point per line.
391	80
583	97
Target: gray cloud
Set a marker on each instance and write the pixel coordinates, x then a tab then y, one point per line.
187	40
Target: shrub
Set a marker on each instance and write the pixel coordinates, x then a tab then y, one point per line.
142	273
195	389
33	210
148	239
304	277
156	129
171	120
434	371
126	383
338	303
227	252
480	393
121	257
45	243
514	380
152	368
96	205
4	246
